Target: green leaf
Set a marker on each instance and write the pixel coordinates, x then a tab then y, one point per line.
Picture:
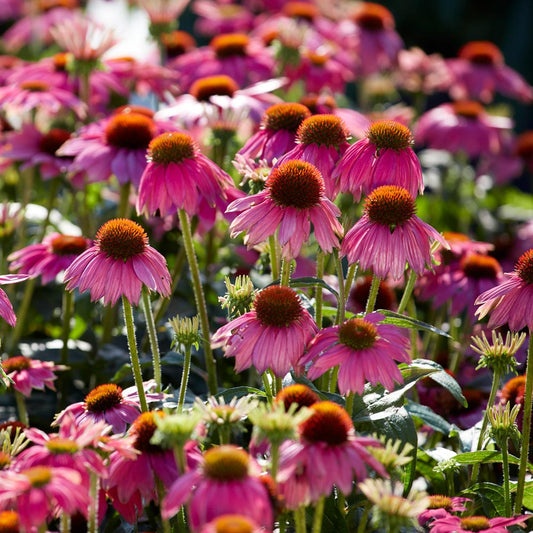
486	457
491	495
404	321
429	417
528	496
239	392
442	378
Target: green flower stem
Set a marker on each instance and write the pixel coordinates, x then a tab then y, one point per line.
492	396
407	292
299	520
200	300
373	294
135	365
163	303
318	293
123	208
65	523
285	273
506	487
266	384
21	408
364	520
184	377
22	315
109	317
274	258
333	380
274	460
319	515
278	383
152	334
526	428
349	403
165	524
350	277
181	461
68	309
92	521
341	309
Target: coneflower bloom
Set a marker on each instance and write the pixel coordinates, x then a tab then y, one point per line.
41	491
215	18
383	157
49	258
245	60
277	134
28	374
480	524
179	176
273	335
115	145
510	302
364	349
441	506
389	235
321	140
226	481
479	71
6	309
369	32
119	264
35	94
462	126
33	148
293	198
328	453
131	483
232	523
109	403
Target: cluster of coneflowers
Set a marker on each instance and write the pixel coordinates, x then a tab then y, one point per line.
354	383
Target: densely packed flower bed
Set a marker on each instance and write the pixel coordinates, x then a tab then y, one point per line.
271	272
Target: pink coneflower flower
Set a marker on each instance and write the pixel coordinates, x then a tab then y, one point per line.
383	157
85	39
510	302
481	524
461	283
243	59
115	145
419	72
74	446
371	35
41	491
321	140
131	483
6	309
176	43
34	148
216	17
49	258
111	404
329	453
163	12
178	176
292	200
277	134
226	481
461	126
358	297
119	264
213	96
277	320
440	507
33	94
28	374
10	523
232	523
321	68
389	235
364	349
479	71
35	28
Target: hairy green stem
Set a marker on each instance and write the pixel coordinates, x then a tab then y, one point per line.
135	364
319	515
373	294
505	472
184	377
68	309
21	408
274	258
318	293
285	273
200	300
341	308
152	335
526	429
92	521
407	292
